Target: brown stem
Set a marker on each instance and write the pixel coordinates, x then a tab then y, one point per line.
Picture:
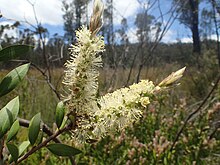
43	144
45	128
1	149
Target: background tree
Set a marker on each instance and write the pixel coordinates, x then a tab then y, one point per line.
207	24
146	25
124	41
189	16
108	28
75	15
108	33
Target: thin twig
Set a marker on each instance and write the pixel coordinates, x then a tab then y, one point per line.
193	113
44	74
44	143
47	79
45	128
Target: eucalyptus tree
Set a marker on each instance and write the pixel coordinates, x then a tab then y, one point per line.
188	11
75	15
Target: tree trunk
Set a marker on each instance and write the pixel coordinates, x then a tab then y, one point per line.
194	5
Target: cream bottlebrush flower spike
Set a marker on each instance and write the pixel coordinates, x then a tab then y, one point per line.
125	106
81	73
122	107
92	117
81	70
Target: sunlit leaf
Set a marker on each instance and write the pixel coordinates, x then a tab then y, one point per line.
8	115
64	122
13	130
60	111
12	79
63	150
23	146
14	51
8	122
34	128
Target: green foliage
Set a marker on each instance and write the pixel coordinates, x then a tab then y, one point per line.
23	146
13	149
13	130
34	128
8	115
60	111
13	78
14	51
63	150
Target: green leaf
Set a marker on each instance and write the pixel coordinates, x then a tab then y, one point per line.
63	150
13	130
11	52
13	149
12	79
39	138
60	111
34	128
8	115
65	120
8	122
23	146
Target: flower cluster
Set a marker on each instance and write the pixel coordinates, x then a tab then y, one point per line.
94	117
81	72
122	107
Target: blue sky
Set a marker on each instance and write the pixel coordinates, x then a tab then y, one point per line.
50	15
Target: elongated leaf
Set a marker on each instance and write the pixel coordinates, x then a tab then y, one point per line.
64	122
63	150
13	130
12	79
8	115
23	146
39	138
8	122
60	111
13	149
34	128
14	51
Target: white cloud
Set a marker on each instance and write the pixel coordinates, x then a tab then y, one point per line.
186	40
132	35
124	8
172	37
12	32
169	37
214	37
48	11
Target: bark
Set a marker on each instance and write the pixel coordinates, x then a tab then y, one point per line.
194	5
